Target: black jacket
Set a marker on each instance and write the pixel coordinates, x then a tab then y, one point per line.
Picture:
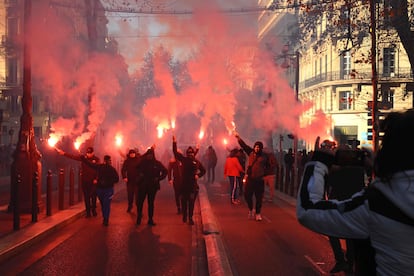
106	174
151	172
191	168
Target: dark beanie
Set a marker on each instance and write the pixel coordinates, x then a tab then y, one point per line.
190	150
258	143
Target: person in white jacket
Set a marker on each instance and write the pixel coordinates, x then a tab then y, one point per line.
383	212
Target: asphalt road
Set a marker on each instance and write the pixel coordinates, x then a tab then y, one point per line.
86	247
277	245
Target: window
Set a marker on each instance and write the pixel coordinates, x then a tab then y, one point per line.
35	104
387	99
15	104
345	100
37	132
345	65
12	28
387	14
343	134
12	71
389	62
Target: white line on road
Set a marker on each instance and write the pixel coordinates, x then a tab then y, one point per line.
315	265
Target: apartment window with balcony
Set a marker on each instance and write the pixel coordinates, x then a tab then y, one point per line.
15	104
37	132
12	28
345	100
387	14
35	104
11	78
345	65
389	62
388	99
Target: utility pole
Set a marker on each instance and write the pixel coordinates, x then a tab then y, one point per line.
375	125
26	158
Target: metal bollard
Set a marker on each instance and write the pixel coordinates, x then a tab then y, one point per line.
35	190
71	187
80	185
49	193
16	203
61	189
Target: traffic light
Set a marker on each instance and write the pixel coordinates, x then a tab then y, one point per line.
379	121
369	124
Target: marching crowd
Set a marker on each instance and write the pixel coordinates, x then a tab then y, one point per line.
248	170
345	193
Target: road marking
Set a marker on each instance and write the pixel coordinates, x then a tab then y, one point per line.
316	265
266	219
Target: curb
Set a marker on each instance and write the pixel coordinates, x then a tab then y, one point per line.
15	242
218	262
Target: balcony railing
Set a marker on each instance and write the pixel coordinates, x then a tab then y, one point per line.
402	73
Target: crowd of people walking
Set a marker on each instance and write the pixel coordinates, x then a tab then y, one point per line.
337	196
249	171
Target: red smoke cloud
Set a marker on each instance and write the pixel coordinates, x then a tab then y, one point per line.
91	93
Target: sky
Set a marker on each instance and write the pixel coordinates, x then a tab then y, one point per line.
221	51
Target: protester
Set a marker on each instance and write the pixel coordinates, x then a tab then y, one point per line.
345	178
130	176
270	174
382	212
192	171
107	176
255	171
289	159
211	160
175	179
151	171
89	178
233	170
241	156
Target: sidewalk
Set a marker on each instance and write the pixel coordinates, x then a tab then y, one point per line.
12	241
15	242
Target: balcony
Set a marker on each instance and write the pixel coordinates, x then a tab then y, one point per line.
402	75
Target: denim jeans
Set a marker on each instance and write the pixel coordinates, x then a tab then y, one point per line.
105	197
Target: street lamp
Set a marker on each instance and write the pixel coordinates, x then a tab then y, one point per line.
26	159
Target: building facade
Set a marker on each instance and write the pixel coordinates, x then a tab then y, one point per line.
87	23
335	67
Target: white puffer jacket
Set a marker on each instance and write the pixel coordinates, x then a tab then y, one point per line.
391	232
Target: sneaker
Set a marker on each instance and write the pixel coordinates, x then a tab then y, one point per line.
250	215
235	201
340	266
151	222
258	217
